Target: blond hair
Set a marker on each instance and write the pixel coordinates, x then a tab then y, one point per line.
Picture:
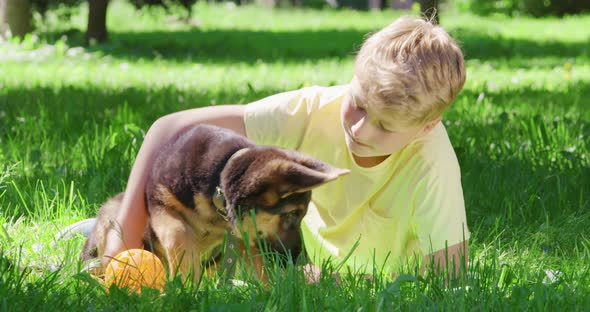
411	68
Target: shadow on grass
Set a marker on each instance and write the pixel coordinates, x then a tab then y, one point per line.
227	45
70	110
298	46
513	199
571	100
477	45
86	135
83	135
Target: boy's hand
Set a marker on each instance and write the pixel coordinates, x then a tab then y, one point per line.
313	274
114	246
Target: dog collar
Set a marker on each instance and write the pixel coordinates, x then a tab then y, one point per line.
219	202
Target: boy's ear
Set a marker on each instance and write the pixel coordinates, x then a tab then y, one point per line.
431	124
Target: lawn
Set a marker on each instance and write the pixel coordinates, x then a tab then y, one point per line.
72	120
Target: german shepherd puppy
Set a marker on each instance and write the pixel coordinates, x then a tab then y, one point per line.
210	180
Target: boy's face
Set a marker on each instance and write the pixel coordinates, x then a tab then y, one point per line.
370	132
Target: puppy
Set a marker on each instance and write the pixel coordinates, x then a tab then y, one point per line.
210	180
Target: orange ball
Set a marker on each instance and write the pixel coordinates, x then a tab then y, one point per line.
135	268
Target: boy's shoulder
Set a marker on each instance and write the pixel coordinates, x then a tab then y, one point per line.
322	96
325	91
436	150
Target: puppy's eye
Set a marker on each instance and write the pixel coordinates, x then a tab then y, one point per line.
291	214
290	219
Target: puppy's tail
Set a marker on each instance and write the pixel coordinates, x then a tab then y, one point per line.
83	227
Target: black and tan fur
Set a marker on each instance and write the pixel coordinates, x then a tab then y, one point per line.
184	223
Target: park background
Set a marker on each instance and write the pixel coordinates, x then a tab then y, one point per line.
74	108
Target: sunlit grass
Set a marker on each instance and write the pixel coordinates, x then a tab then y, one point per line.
72	120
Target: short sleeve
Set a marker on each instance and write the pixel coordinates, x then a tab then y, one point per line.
439	215
280	119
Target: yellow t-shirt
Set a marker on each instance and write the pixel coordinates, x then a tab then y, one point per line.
409	205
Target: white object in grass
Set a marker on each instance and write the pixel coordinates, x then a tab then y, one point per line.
239	283
83	227
551	277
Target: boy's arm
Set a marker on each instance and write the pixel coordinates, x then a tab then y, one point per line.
453	255
132	215
450	259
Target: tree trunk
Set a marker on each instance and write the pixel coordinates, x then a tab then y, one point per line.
375	4
16	17
97	21
267	3
401	4
429	8
3	25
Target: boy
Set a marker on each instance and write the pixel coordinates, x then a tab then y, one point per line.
403	197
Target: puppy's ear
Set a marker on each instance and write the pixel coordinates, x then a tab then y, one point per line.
262	176
300	173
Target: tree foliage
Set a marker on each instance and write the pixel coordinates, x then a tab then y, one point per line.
536	8
42	6
16	15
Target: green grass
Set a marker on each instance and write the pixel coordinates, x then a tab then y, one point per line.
72	120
